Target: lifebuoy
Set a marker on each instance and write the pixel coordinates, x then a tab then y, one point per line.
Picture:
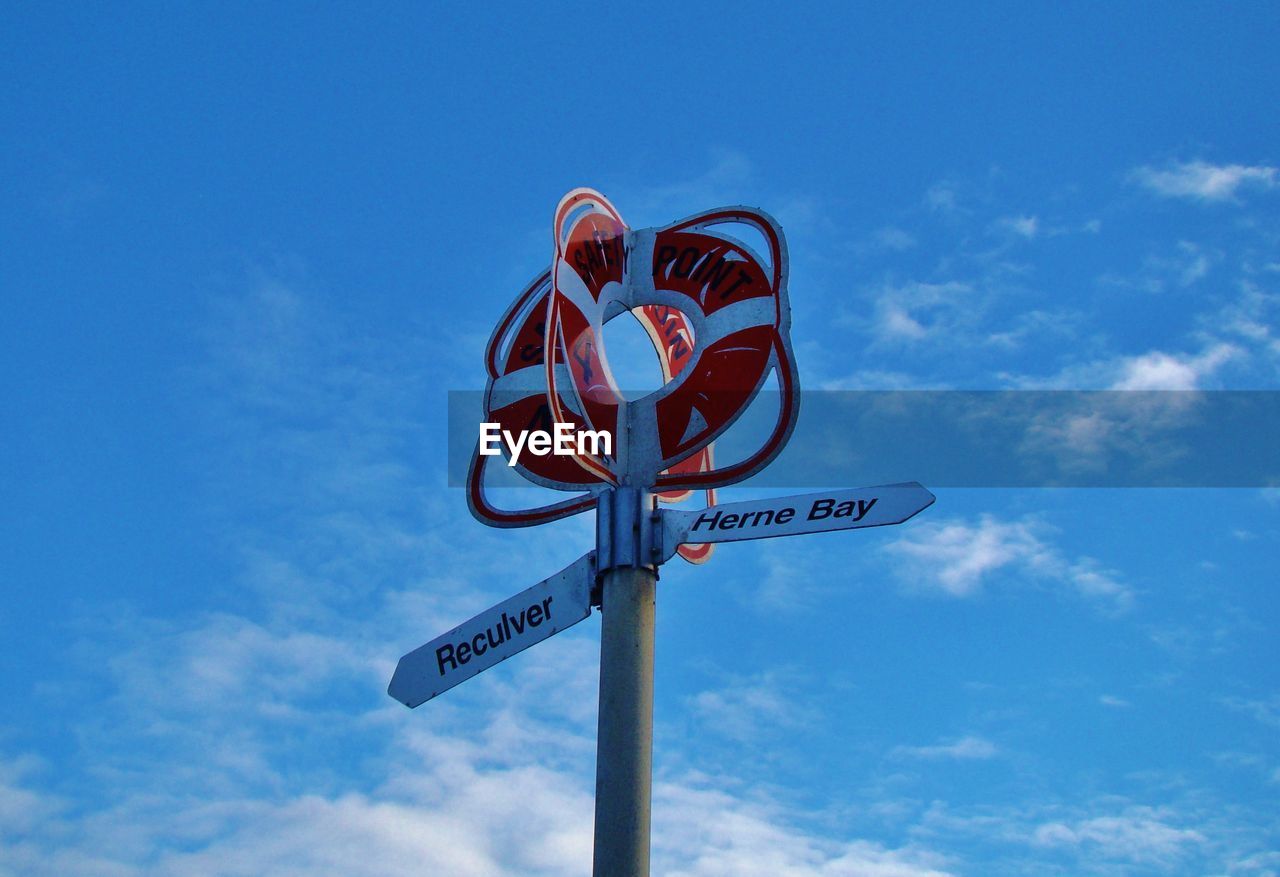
741	325
588	275
516	398
717	314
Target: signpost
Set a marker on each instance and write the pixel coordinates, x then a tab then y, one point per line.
795	515
495	634
717	312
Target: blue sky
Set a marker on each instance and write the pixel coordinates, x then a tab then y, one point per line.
244	253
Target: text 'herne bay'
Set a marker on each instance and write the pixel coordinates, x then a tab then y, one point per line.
819	509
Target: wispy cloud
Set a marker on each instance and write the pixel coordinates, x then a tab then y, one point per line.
748	707
1110	835
1140	835
1201	181
730	835
919	311
1153	370
872	379
1021	226
23	810
1265	711
492	789
1251	319
1195	264
943	197
1181	267
893	238
965	749
959	558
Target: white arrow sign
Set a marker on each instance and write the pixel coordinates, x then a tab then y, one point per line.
495	635
794	515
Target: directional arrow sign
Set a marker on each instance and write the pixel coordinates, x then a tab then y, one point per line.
793	515
495	635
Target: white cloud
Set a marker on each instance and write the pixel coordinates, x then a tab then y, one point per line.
1265	711
897	323
1034	326
1141	835
1110	835
21	809
1183	267
1153	370
892	238
1196	265
1202	181
229	660
942	197
1093	582
958	558
917	311
1252	317
701	832
1158	370
965	749
1141	432
747	707
1112	701
1022	226
790	583
872	379
491	790
457	813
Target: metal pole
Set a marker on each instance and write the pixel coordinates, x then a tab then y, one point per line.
624	748
624	743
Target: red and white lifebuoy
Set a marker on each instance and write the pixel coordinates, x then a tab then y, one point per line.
717	314
742	327
516	399
588	275
740	322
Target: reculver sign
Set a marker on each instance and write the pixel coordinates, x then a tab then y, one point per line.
492	636
562	441
455	653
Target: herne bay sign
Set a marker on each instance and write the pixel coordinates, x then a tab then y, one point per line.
716	310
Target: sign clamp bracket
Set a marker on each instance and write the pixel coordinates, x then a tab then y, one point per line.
628	533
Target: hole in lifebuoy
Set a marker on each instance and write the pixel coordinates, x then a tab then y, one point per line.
749	234
647	347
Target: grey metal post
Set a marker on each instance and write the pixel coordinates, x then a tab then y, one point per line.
624	742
